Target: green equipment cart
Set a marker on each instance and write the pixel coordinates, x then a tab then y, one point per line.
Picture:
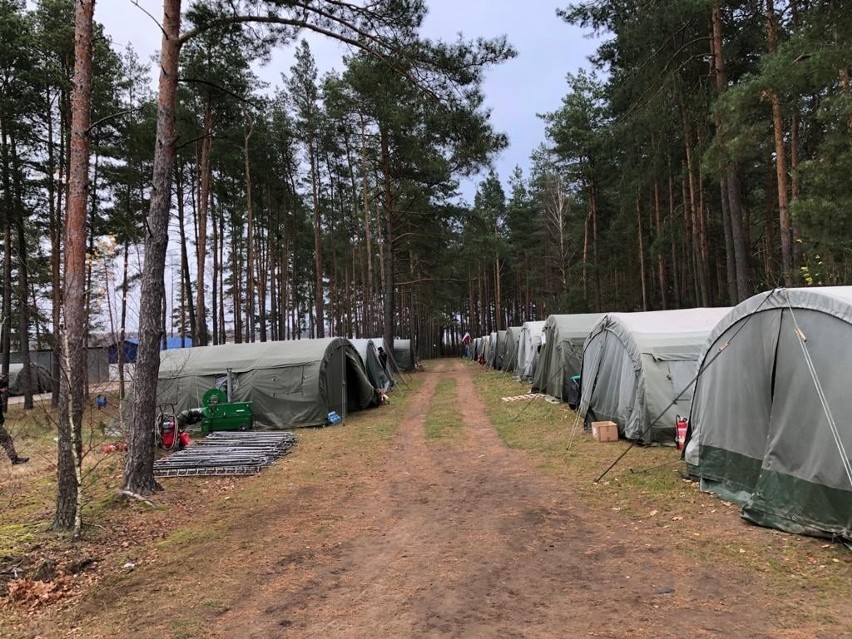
220	414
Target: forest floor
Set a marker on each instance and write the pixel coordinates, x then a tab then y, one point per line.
448	513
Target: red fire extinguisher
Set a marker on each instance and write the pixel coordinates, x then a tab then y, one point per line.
681	424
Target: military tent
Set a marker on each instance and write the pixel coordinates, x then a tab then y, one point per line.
528	350
510	360
489	347
562	352
481	349
498	352
404	355
770	425
638	368
378	370
290	383
40	376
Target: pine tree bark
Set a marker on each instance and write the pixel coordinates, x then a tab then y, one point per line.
318	271
641	250
139	464
205	176
55	232
185	278
73	360
730	191
661	258
388	231
780	156
368	233
6	320
250	249
22	286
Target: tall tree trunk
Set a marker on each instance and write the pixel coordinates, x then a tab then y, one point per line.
6	320
73	362
498	302
672	219
368	234
593	202
780	155
23	286
139	464
219	268
585	272
388	245
694	214
661	257
205	178
794	189
730	261
721	77
731	193
185	278
641	249
733	184
250	249
55	222
122	325
318	271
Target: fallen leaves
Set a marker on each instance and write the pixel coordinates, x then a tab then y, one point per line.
32	593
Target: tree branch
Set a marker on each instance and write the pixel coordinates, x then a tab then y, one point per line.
145	11
304	24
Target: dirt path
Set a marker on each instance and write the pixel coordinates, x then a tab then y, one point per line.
467	540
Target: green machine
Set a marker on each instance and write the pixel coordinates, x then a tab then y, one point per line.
220	414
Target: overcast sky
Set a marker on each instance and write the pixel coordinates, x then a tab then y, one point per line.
533	82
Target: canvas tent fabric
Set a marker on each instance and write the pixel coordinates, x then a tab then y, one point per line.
638	368
561	355
510	360
404	355
491	350
290	383
482	349
500	351
39	375
528	351
378	372
760	433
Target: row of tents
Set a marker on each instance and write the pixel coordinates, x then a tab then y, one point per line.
291	383
764	385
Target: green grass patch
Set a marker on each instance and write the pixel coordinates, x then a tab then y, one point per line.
442	420
186	629
646	486
13	536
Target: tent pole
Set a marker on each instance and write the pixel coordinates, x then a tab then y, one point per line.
343	383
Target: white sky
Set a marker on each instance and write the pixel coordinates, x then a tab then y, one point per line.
531	83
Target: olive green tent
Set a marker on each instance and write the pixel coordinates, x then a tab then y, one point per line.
638	369
770	422
378	371
512	342
561	353
498	351
404	355
39	376
528	350
290	383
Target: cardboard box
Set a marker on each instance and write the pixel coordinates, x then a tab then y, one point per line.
604	431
